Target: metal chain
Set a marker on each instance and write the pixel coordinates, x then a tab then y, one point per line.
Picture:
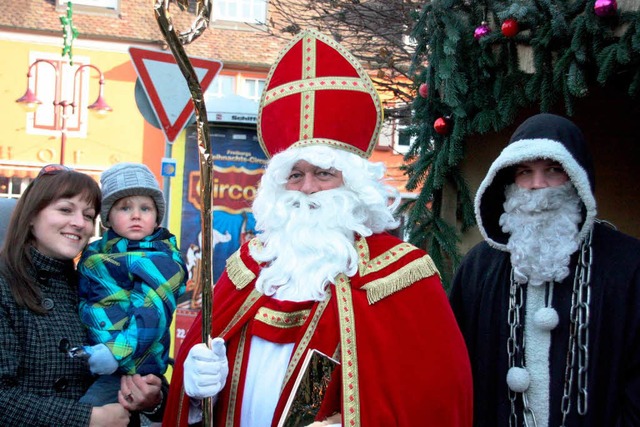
584	299
515	343
527	412
579	333
571	357
578	350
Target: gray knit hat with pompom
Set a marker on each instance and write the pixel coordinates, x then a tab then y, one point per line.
129	179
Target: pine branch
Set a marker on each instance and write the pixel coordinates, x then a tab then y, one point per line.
481	86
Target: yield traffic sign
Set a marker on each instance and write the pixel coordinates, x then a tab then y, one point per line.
167	88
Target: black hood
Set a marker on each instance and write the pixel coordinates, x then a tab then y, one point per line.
543	136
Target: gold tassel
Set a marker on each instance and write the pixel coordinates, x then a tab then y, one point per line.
239	274
416	270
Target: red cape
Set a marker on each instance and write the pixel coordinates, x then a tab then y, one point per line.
404	362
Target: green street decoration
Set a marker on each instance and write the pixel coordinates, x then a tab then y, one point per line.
69	33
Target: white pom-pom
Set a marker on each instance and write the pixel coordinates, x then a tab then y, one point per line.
518	379
546	318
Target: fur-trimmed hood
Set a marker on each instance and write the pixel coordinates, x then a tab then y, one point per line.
541	136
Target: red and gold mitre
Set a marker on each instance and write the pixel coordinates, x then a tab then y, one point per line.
317	93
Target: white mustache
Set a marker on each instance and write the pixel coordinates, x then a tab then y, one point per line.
307	204
299	200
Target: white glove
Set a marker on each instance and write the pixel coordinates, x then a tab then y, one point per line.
206	369
101	360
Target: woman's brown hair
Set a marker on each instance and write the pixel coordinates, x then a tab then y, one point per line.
15	258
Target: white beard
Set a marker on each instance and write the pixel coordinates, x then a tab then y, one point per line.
307	242
543	224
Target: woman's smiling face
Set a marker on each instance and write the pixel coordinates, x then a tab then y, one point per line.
63	228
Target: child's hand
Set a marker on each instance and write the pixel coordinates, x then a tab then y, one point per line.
101	361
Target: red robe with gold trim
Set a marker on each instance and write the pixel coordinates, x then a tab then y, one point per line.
403	359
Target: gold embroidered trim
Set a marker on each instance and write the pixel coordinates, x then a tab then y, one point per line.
306	338
307	113
180	406
418	269
246	305
312	84
363	254
309	60
255	245
305	87
238	272
368	266
235	379
282	319
349	356
330	142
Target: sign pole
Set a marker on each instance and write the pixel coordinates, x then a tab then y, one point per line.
166	183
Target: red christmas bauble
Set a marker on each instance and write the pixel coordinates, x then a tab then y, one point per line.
423	90
481	31
442	125
510	27
605	7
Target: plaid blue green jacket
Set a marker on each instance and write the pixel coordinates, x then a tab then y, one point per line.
128	293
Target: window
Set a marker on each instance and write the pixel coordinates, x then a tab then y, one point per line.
224	85
90	6
251	11
12	187
252	88
399	119
408	40
220	86
405	139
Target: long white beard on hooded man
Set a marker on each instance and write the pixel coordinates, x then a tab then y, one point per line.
543	224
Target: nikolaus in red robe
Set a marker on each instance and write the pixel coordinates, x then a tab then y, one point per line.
403	359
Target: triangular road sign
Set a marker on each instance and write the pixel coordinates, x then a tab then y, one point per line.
167	88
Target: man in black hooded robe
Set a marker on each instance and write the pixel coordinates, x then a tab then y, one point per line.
549	302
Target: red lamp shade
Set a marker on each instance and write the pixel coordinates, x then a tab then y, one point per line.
29	100
100	106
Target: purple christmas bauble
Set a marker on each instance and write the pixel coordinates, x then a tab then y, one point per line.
481	31
605	7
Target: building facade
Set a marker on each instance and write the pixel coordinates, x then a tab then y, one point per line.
67	72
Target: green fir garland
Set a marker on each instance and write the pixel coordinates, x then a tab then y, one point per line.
481	84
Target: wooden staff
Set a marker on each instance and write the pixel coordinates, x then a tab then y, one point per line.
175	42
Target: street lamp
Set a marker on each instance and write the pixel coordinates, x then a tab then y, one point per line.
31	102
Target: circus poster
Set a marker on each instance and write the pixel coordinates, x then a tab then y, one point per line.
238	165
